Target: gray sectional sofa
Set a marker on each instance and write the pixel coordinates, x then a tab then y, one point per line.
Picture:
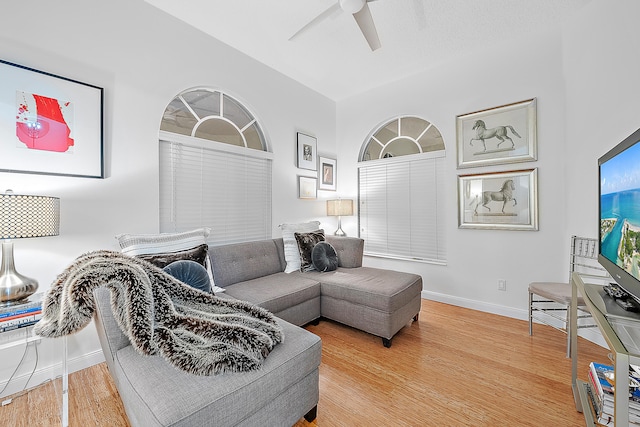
374	300
286	388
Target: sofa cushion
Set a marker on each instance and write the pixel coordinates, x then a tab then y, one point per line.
291	252
306	242
244	261
324	257
276	292
383	290
165	396
349	249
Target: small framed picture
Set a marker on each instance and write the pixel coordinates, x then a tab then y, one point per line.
503	200
306	152
307	187
505	134
327	174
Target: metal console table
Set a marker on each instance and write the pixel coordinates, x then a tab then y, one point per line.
602	311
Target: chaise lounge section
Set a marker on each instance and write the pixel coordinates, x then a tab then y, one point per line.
154	393
374	300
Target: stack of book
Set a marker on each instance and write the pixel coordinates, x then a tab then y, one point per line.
21	315
601	393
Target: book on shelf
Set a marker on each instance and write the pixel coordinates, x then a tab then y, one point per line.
21	318
34	301
602	398
596	407
21	313
20	321
604	415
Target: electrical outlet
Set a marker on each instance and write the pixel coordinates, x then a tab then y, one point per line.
502	285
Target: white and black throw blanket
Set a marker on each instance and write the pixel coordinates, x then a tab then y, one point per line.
195	331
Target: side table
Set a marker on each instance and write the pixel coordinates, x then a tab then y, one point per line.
30	336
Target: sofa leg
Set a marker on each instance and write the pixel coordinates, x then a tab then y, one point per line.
386	342
312	414
415	318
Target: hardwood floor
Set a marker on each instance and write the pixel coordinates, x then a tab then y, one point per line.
454	367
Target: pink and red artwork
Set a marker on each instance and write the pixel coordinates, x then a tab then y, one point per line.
44	123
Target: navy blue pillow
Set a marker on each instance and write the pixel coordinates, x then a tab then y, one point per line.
324	257
191	273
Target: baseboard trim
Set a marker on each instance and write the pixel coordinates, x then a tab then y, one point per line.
46	373
591	334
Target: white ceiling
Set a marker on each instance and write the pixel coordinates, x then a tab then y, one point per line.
333	57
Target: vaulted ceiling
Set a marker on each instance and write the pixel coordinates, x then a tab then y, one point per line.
333	57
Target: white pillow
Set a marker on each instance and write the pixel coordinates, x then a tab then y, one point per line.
146	244
291	251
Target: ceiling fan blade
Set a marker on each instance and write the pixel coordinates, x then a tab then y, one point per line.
365	22
315	21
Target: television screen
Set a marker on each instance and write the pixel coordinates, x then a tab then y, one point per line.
620	213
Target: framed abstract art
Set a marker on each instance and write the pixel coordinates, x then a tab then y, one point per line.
49	124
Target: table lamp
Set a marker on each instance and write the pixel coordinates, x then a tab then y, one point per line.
339	208
23	216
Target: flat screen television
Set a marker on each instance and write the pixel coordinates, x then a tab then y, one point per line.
619	206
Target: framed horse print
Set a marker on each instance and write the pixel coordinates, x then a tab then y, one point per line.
505	134
499	201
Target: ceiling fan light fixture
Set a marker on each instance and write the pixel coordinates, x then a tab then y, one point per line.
352	6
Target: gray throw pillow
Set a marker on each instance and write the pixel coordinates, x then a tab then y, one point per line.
324	257
191	273
161	260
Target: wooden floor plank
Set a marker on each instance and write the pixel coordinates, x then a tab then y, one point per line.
453	367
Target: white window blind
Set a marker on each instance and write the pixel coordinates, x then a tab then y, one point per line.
207	184
401	209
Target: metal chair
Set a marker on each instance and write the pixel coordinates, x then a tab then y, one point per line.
552	300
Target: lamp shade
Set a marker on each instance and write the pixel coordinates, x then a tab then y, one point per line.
24	216
340	207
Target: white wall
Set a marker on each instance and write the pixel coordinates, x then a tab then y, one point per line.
477	259
142	58
585	79
602	51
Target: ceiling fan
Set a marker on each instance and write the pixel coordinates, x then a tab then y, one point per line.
361	13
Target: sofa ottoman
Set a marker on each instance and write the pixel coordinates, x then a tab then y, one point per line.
374	300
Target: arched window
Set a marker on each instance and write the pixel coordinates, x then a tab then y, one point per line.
400	205
215	168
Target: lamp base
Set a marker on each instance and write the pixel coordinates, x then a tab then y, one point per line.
14	287
339	231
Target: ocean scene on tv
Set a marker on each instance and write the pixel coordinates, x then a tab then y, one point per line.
620	209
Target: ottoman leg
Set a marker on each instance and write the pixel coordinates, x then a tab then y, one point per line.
386	342
312	414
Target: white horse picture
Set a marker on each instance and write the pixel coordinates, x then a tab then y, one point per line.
499	132
504	195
